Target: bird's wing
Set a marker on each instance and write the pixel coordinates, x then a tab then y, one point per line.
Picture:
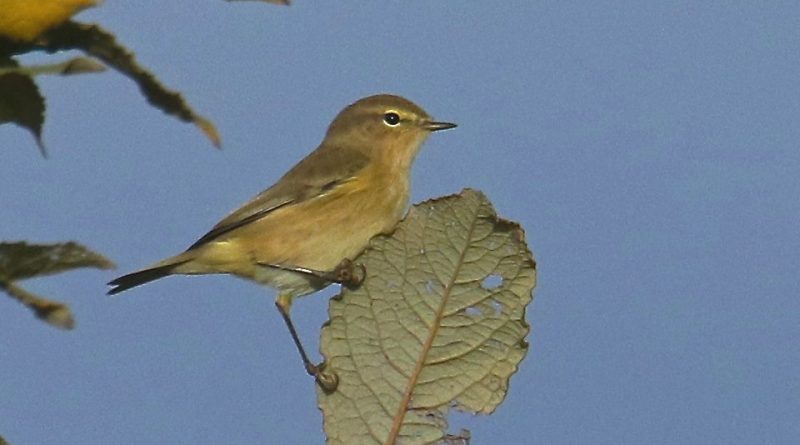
319	172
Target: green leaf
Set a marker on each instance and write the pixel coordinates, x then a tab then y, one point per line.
439	322
101	44
97	42
20	102
21	260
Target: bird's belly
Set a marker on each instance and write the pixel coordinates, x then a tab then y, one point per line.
293	284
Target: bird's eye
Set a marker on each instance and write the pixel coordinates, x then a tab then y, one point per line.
391	118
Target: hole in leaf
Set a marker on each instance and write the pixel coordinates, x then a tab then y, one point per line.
429	286
492	282
497	306
462	438
472	311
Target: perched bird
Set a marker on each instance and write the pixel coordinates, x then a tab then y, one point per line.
302	233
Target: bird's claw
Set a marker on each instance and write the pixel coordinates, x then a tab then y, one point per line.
349	274
327	380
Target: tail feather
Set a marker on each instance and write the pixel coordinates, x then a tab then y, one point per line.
134	279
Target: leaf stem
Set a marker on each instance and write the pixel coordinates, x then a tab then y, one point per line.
53	312
75	65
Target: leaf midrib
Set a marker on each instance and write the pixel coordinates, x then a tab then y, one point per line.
426	347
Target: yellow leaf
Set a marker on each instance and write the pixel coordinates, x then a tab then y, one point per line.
24	20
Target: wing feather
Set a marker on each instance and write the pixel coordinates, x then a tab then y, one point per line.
318	173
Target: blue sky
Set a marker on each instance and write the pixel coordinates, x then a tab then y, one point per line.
649	150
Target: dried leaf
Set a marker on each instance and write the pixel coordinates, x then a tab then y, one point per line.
438	323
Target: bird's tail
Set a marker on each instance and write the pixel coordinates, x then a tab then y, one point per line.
158	270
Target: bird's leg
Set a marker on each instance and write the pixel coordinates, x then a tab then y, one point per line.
328	381
346	272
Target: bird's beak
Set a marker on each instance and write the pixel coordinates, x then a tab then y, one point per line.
436	126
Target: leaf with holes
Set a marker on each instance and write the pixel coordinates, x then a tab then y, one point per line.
439	322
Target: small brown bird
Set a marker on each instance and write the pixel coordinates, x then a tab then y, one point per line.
301	234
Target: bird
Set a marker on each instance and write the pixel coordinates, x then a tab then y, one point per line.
303	233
